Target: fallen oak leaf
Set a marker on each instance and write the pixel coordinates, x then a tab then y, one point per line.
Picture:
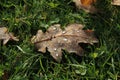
116	2
6	36
86	5
55	39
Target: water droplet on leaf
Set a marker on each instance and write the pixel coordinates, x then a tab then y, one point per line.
63	32
55	49
65	39
56	54
54	28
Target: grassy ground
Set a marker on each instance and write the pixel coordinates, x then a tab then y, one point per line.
25	17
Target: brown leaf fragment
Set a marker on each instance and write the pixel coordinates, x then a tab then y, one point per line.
6	36
116	2
5	76
55	39
86	5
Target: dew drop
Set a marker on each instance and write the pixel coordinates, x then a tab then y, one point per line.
55	49
56	54
54	28
65	39
63	32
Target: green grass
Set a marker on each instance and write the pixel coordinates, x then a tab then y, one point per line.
20	61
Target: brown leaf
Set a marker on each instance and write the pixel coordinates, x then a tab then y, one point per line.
55	39
86	5
6	36
116	2
5	76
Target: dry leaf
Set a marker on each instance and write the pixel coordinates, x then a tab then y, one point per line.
55	39
5	76
86	5
6	36
116	2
